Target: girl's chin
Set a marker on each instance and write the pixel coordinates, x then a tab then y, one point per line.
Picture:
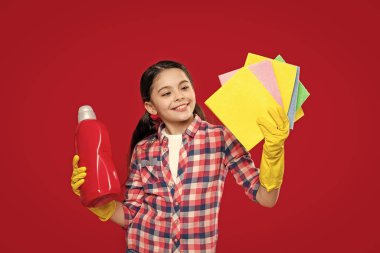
182	117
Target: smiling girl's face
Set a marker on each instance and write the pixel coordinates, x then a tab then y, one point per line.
173	99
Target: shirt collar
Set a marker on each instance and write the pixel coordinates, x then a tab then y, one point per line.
190	131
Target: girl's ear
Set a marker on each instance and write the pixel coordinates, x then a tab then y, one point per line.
150	108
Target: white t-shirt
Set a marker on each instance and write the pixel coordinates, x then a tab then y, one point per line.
174	145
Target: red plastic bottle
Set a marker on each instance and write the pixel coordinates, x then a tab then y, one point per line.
92	144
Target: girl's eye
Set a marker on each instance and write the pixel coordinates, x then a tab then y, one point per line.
166	94
185	87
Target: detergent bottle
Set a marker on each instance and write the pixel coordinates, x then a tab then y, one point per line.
92	144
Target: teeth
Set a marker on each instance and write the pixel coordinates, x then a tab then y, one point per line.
180	107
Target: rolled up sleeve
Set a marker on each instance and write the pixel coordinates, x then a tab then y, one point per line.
239	162
134	192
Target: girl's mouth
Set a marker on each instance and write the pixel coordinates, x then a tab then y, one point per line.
181	108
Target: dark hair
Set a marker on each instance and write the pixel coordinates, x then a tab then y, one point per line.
146	125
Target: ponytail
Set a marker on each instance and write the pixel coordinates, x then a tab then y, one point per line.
145	127
198	110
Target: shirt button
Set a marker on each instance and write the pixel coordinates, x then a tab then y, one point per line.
176	221
176	240
171	185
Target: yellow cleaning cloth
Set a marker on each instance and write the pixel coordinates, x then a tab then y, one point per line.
238	104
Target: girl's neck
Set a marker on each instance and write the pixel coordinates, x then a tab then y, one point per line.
178	127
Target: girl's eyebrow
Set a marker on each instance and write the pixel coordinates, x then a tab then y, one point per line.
183	81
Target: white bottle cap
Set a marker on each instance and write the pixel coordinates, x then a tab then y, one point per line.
85	112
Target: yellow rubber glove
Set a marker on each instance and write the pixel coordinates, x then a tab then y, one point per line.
77	179
272	159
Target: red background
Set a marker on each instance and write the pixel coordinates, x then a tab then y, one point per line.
56	57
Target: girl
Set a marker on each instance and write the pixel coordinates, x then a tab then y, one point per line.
179	165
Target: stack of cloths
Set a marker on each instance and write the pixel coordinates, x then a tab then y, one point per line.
247	93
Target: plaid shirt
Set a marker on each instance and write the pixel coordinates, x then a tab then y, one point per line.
162	216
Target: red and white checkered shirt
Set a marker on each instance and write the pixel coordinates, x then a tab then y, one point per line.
161	216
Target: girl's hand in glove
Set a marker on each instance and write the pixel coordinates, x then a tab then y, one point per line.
77	179
272	160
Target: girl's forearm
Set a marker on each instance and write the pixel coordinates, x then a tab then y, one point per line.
267	199
118	216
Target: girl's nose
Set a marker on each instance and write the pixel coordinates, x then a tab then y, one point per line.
178	96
